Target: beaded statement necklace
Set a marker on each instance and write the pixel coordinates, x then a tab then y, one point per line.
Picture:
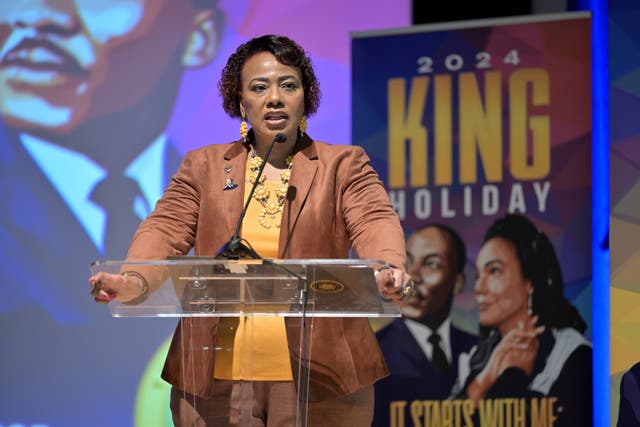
271	213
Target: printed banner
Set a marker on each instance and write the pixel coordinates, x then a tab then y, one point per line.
481	132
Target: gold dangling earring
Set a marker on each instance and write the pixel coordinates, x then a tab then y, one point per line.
244	128
303	125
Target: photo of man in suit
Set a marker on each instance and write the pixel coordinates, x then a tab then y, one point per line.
422	347
87	88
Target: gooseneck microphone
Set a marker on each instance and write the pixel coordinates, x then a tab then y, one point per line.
236	248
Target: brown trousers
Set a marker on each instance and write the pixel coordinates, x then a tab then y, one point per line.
267	404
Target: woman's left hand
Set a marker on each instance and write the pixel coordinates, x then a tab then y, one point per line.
521	345
517	349
393	283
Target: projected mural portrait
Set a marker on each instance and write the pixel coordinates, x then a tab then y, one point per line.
87	90
99	100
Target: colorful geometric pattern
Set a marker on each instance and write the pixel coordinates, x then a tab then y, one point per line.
624	102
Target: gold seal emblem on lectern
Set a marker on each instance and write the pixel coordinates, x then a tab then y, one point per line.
327	286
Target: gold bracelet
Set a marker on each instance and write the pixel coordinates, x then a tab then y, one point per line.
145	285
386	266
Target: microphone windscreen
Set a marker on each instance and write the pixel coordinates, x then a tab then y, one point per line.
281	137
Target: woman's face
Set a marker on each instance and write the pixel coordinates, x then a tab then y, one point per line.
501	290
272	97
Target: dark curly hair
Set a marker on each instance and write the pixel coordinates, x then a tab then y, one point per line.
287	52
539	263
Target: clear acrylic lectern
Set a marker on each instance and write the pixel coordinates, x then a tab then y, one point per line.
191	286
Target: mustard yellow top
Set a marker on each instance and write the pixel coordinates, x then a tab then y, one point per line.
266	336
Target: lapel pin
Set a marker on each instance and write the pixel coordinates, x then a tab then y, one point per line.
229	184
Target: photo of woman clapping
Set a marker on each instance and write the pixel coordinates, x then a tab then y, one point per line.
532	342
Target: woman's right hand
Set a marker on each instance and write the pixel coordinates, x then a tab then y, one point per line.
517	349
106	287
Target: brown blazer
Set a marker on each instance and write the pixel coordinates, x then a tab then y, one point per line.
336	203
